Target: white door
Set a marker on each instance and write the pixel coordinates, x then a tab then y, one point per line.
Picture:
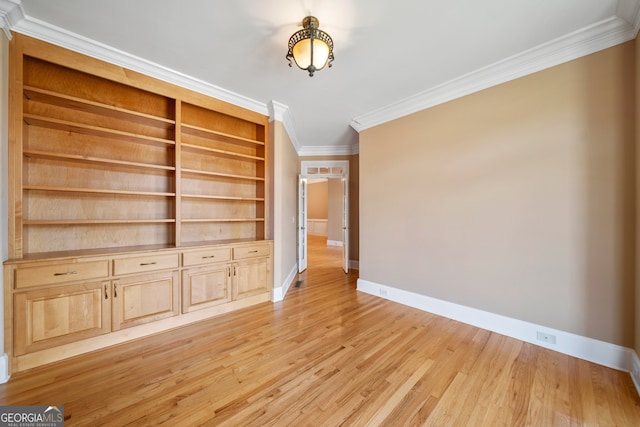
302	224
345	225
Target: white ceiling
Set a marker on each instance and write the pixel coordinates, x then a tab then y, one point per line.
391	57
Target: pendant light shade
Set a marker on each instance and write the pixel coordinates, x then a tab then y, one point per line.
310	48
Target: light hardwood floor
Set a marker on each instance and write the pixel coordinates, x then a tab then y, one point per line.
329	355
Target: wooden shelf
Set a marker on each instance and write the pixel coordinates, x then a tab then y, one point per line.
90	159
227	153
47	122
231	198
194	220
221	175
98	191
95	221
71	102
219	136
110	148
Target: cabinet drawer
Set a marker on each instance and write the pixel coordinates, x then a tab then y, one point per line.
52	274
144	263
252	251
206	256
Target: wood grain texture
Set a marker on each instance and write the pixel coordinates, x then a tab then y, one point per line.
328	355
96	153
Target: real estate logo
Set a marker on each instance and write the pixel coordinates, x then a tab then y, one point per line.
31	416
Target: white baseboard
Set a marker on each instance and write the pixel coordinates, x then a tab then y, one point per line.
600	352
4	368
334	243
281	291
635	371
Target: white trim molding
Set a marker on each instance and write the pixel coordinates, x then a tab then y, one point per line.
607	33
10	13
622	27
281	291
635	371
600	352
328	150
629	10
4	368
282	113
13	18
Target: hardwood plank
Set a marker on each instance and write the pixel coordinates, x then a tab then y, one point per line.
328	355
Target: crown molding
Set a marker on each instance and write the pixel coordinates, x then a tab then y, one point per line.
10	14
13	18
281	113
619	29
329	150
44	31
277	111
602	35
629	10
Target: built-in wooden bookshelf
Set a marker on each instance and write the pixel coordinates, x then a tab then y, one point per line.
125	188
223	176
106	164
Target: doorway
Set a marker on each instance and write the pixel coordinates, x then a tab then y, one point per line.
314	171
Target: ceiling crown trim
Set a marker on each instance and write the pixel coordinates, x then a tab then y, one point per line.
607	33
602	35
281	113
629	10
10	13
318	150
32	27
12	17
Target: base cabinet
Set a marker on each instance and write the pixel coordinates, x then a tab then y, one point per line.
246	274
50	317
146	298
205	287
250	278
54	312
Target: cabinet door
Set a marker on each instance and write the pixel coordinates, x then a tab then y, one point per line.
144	298
250	278
46	318
205	287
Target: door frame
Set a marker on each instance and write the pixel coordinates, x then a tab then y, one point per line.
302	224
325	169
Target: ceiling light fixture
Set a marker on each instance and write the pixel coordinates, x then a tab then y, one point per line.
311	48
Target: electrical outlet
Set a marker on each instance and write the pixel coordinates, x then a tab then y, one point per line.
548	338
383	293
